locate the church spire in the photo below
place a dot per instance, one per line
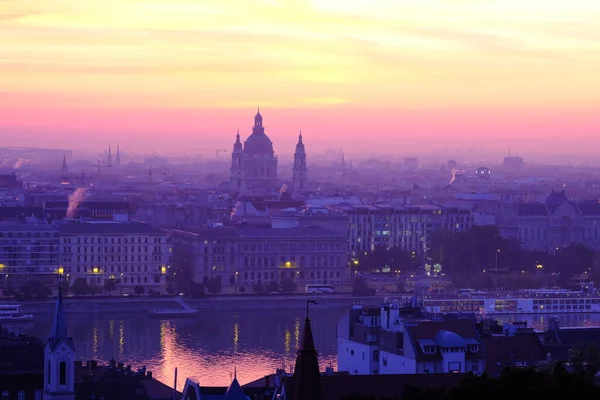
(306, 382)
(59, 326)
(118, 157)
(64, 170)
(59, 357)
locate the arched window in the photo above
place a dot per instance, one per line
(62, 373)
(48, 377)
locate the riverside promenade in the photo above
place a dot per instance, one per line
(144, 304)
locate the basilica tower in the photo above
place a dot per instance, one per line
(299, 172)
(237, 168)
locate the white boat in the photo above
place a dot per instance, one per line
(12, 313)
(517, 302)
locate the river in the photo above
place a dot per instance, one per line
(209, 347)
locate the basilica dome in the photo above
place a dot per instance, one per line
(258, 142)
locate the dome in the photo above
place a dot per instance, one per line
(258, 143)
(446, 338)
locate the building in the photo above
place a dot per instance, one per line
(130, 254)
(28, 251)
(192, 391)
(513, 163)
(253, 169)
(556, 223)
(308, 383)
(401, 225)
(98, 210)
(398, 340)
(244, 255)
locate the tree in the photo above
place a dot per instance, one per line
(109, 286)
(35, 290)
(139, 290)
(8, 291)
(288, 285)
(395, 259)
(170, 289)
(213, 285)
(197, 290)
(272, 287)
(360, 287)
(258, 288)
(95, 289)
(80, 287)
(575, 259)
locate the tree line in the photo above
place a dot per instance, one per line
(466, 255)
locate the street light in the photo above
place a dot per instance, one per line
(497, 252)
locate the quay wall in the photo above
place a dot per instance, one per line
(145, 304)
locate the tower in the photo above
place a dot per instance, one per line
(306, 382)
(64, 170)
(109, 157)
(118, 157)
(237, 168)
(59, 358)
(299, 171)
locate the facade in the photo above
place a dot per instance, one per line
(245, 255)
(253, 169)
(394, 340)
(90, 209)
(130, 254)
(549, 226)
(399, 225)
(28, 251)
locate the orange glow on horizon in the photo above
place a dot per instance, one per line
(500, 67)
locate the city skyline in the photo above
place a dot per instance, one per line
(494, 74)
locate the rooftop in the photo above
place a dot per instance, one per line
(117, 228)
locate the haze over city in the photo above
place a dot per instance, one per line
(429, 75)
(299, 199)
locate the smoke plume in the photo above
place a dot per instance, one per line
(19, 163)
(75, 199)
(453, 176)
(234, 209)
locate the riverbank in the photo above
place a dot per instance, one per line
(146, 304)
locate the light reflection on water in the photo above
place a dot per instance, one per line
(207, 348)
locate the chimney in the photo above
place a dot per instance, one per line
(149, 375)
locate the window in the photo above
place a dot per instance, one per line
(49, 370)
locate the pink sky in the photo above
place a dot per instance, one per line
(388, 76)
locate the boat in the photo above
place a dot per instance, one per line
(544, 301)
(12, 313)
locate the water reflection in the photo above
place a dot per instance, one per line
(207, 348)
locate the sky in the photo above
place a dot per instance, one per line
(385, 75)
